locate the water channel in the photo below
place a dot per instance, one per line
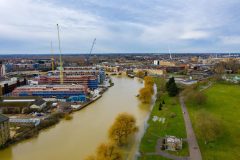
(79, 137)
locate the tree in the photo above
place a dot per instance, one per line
(219, 68)
(200, 98)
(106, 151)
(172, 87)
(209, 127)
(148, 81)
(122, 128)
(233, 65)
(170, 81)
(150, 88)
(145, 95)
(160, 107)
(163, 102)
(140, 74)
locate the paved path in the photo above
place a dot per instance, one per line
(194, 150)
(206, 87)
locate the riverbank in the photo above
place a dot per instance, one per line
(27, 131)
(173, 125)
(80, 136)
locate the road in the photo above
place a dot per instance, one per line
(194, 150)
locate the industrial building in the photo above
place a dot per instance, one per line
(4, 129)
(68, 92)
(16, 105)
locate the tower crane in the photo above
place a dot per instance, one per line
(52, 59)
(60, 51)
(93, 43)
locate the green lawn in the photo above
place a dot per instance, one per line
(223, 103)
(174, 125)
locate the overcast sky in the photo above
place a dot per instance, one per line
(28, 26)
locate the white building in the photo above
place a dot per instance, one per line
(156, 62)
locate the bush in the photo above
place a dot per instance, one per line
(198, 98)
(192, 94)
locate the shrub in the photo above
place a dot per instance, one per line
(200, 98)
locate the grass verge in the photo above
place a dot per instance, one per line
(174, 125)
(223, 103)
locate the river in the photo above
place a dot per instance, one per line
(79, 137)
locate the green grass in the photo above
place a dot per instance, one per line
(223, 103)
(172, 126)
(153, 158)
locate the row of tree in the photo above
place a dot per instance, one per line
(145, 93)
(119, 134)
(233, 66)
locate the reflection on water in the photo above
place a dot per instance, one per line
(77, 138)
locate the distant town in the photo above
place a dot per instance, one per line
(39, 91)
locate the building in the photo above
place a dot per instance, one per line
(4, 129)
(172, 143)
(8, 86)
(156, 62)
(68, 92)
(81, 71)
(16, 105)
(155, 72)
(90, 78)
(164, 63)
(89, 81)
(167, 63)
(39, 104)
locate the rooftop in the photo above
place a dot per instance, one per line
(3, 118)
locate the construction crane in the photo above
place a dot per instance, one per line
(52, 59)
(60, 51)
(93, 43)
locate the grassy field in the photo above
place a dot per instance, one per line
(223, 103)
(174, 125)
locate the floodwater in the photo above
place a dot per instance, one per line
(79, 137)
